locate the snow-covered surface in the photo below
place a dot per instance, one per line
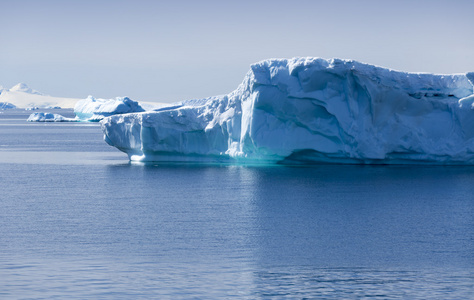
(22, 87)
(49, 117)
(307, 110)
(148, 106)
(23, 96)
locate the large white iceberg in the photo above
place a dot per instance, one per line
(312, 110)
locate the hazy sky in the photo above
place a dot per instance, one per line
(175, 50)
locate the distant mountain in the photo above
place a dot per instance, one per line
(22, 87)
(22, 96)
(6, 105)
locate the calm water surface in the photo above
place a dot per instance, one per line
(78, 221)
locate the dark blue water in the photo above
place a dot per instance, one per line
(78, 221)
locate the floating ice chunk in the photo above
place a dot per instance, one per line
(312, 110)
(49, 117)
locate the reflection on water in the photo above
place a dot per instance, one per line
(81, 222)
(93, 279)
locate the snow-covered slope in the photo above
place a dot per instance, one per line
(306, 110)
(22, 87)
(23, 96)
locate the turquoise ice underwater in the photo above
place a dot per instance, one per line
(77, 220)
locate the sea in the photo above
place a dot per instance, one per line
(79, 221)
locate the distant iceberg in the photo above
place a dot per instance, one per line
(92, 109)
(312, 110)
(49, 117)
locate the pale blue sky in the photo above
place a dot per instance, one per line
(175, 50)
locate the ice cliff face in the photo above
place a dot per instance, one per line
(310, 110)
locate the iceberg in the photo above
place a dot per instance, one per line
(92, 109)
(49, 117)
(311, 110)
